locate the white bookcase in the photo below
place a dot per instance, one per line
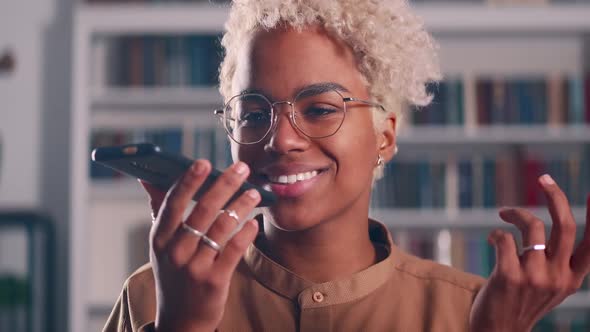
(475, 39)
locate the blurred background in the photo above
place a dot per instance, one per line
(75, 75)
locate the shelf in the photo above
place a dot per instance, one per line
(553, 33)
(159, 19)
(126, 119)
(476, 218)
(440, 17)
(156, 97)
(495, 134)
(474, 18)
(155, 107)
(124, 189)
(578, 301)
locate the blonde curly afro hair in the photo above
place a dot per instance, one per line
(396, 56)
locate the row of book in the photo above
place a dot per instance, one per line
(510, 178)
(464, 250)
(506, 178)
(411, 184)
(553, 100)
(573, 321)
(179, 60)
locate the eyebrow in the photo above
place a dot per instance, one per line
(306, 90)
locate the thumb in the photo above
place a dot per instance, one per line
(155, 194)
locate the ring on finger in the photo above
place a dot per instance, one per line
(214, 245)
(193, 231)
(231, 213)
(540, 246)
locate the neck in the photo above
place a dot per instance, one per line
(328, 251)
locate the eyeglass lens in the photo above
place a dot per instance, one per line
(249, 117)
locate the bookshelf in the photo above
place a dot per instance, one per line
(477, 41)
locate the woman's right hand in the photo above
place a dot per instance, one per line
(192, 279)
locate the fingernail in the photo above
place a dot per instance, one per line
(254, 223)
(198, 168)
(241, 168)
(253, 193)
(547, 180)
(491, 239)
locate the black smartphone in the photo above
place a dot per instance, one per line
(148, 162)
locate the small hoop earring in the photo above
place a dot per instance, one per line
(379, 160)
(395, 150)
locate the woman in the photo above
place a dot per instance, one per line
(314, 91)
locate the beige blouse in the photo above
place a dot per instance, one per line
(400, 293)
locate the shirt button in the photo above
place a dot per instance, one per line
(318, 297)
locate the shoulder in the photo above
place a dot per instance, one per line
(136, 306)
(142, 278)
(141, 295)
(439, 296)
(433, 274)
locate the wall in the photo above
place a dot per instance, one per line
(20, 96)
(34, 120)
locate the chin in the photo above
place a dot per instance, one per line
(291, 219)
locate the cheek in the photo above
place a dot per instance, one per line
(356, 150)
(248, 154)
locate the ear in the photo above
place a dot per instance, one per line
(386, 138)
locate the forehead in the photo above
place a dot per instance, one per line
(282, 60)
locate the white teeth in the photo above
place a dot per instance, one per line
(309, 175)
(292, 178)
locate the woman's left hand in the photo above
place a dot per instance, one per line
(523, 288)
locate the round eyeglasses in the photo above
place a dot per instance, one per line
(249, 117)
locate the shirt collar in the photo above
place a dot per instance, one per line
(286, 283)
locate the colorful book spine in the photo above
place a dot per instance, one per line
(154, 60)
(551, 100)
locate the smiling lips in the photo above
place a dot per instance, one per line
(291, 180)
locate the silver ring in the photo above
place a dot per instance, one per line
(231, 213)
(214, 245)
(192, 230)
(534, 247)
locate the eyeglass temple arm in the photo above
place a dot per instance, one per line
(346, 99)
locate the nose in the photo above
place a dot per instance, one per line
(285, 137)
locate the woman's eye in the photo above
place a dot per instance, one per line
(319, 111)
(254, 117)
